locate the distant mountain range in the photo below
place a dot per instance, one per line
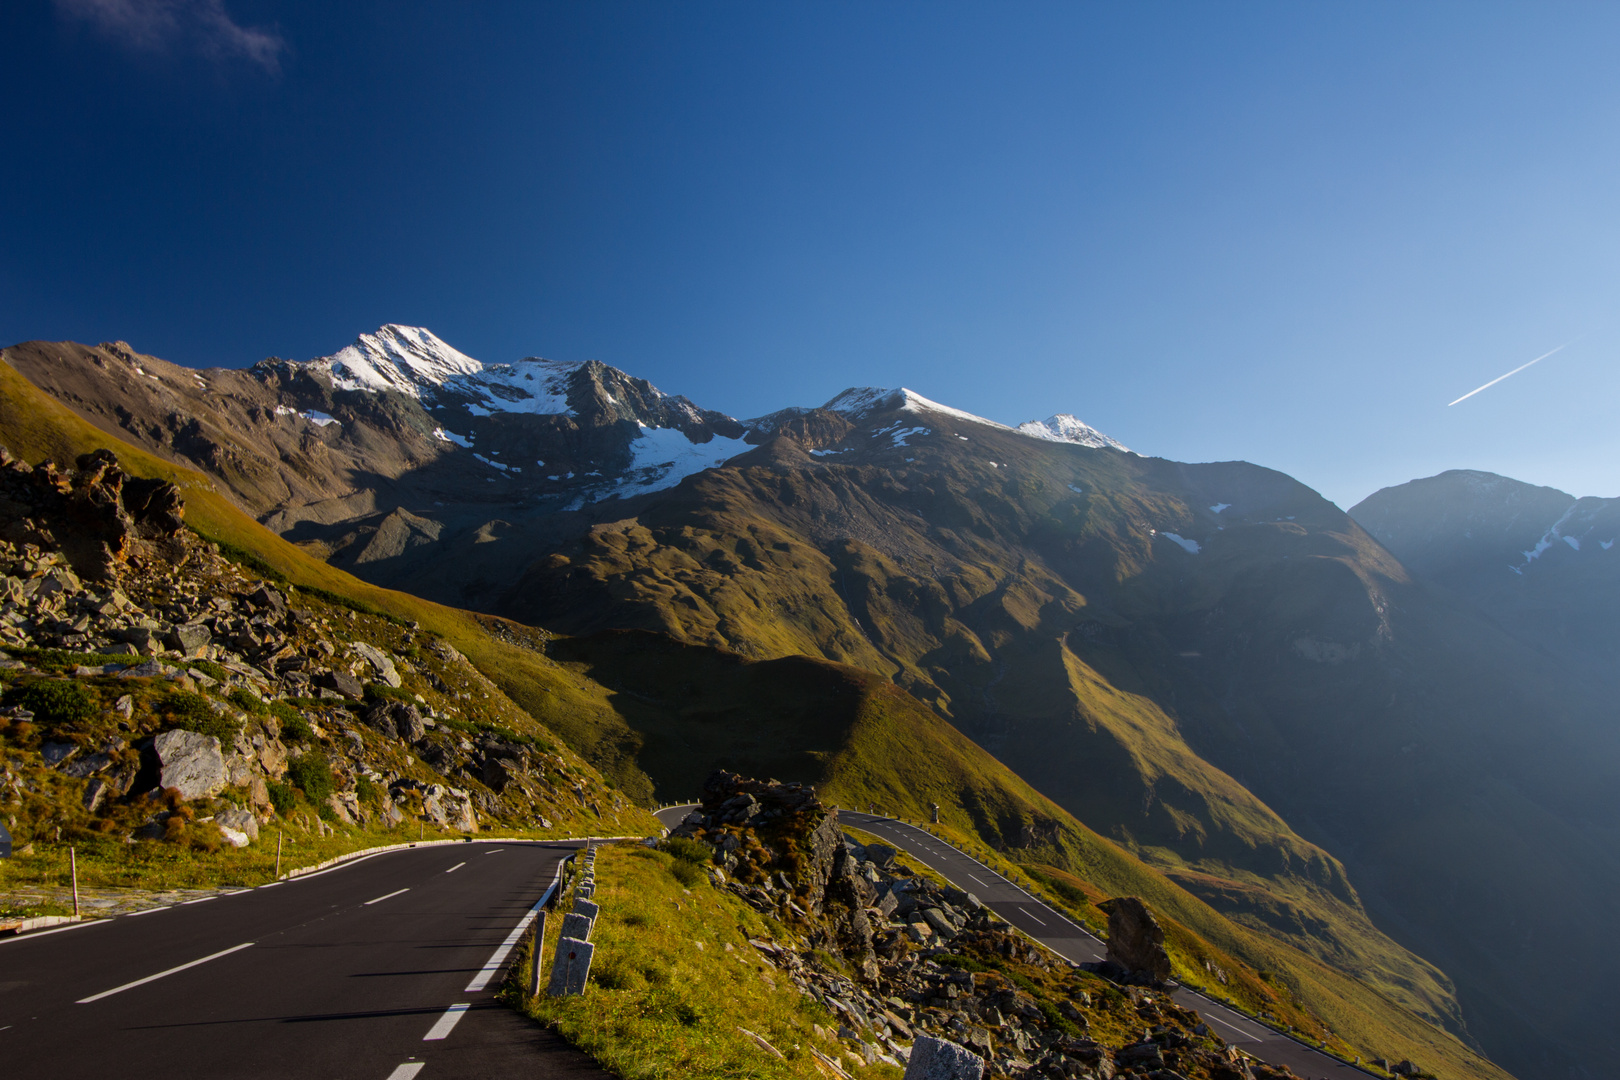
(1540, 562)
(1345, 734)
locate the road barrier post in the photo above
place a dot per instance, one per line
(73, 861)
(535, 957)
(278, 854)
(572, 967)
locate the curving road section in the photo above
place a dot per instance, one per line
(1073, 942)
(383, 968)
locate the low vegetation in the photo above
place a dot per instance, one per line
(675, 983)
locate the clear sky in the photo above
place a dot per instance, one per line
(1289, 233)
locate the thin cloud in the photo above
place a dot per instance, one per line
(1515, 371)
(201, 26)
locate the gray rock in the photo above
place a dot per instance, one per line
(88, 765)
(266, 597)
(571, 968)
(57, 752)
(881, 854)
(940, 1059)
(238, 820)
(379, 662)
(189, 639)
(342, 682)
(1135, 938)
(94, 794)
(936, 920)
(192, 763)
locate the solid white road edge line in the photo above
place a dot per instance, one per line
(498, 957)
(407, 1070)
(446, 1023)
(390, 896)
(162, 974)
(456, 867)
(32, 934)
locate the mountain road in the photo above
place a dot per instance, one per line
(383, 968)
(1073, 942)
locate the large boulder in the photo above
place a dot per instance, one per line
(1135, 938)
(941, 1059)
(450, 808)
(190, 763)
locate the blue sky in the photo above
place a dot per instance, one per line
(1289, 233)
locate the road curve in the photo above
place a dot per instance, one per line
(380, 969)
(1073, 942)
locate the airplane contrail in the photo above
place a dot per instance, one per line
(1515, 371)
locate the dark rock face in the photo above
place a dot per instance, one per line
(92, 515)
(1135, 939)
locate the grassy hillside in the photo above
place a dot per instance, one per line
(862, 740)
(656, 716)
(34, 427)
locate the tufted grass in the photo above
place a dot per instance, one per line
(667, 996)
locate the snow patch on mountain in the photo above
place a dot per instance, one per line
(319, 419)
(1550, 537)
(1064, 427)
(533, 386)
(663, 457)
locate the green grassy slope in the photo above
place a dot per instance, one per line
(957, 580)
(802, 718)
(1289, 670)
(862, 740)
(34, 427)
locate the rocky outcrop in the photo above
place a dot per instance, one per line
(931, 963)
(1136, 940)
(218, 680)
(92, 514)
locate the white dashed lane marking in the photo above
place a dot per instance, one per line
(390, 896)
(446, 1023)
(456, 867)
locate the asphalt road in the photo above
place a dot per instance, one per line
(1073, 942)
(379, 969)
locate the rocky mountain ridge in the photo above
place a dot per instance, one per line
(1542, 563)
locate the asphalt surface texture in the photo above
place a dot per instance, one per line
(384, 968)
(1073, 942)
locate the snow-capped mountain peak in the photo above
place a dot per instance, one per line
(405, 359)
(1065, 428)
(858, 401)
